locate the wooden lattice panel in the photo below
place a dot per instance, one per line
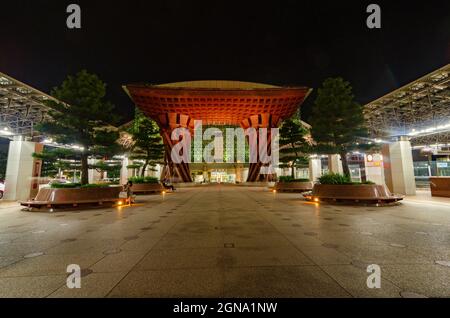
(217, 106)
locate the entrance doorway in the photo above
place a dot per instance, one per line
(221, 176)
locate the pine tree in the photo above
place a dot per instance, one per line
(147, 142)
(337, 120)
(80, 116)
(293, 145)
(55, 160)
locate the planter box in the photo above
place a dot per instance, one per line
(363, 192)
(184, 184)
(256, 184)
(48, 197)
(294, 186)
(147, 188)
(440, 186)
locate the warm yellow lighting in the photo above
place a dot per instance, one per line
(164, 192)
(274, 191)
(316, 199)
(119, 202)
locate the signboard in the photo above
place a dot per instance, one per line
(374, 160)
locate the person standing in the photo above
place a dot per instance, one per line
(128, 189)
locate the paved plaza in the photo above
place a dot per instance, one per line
(227, 241)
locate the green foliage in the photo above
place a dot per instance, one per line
(3, 160)
(135, 166)
(290, 179)
(336, 178)
(147, 142)
(96, 185)
(141, 179)
(78, 185)
(65, 185)
(112, 168)
(108, 167)
(337, 120)
(55, 159)
(293, 145)
(82, 118)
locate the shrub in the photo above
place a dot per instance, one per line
(336, 178)
(78, 185)
(290, 179)
(95, 185)
(65, 185)
(143, 179)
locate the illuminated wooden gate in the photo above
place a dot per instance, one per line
(244, 104)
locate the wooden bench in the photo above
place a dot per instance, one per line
(145, 188)
(74, 197)
(440, 186)
(364, 193)
(293, 186)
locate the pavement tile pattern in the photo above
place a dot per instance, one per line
(227, 241)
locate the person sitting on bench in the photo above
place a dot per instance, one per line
(166, 184)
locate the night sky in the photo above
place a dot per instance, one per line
(277, 42)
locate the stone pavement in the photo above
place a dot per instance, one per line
(227, 241)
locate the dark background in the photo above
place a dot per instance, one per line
(276, 42)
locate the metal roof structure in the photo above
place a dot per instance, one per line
(21, 107)
(420, 110)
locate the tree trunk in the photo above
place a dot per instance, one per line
(345, 168)
(84, 169)
(293, 161)
(143, 168)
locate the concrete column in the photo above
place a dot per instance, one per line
(373, 164)
(335, 164)
(124, 171)
(315, 168)
(158, 171)
(240, 173)
(398, 167)
(93, 175)
(22, 170)
(245, 174)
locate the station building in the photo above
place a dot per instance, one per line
(411, 126)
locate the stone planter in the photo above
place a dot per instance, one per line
(440, 186)
(256, 184)
(54, 197)
(357, 193)
(294, 186)
(142, 188)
